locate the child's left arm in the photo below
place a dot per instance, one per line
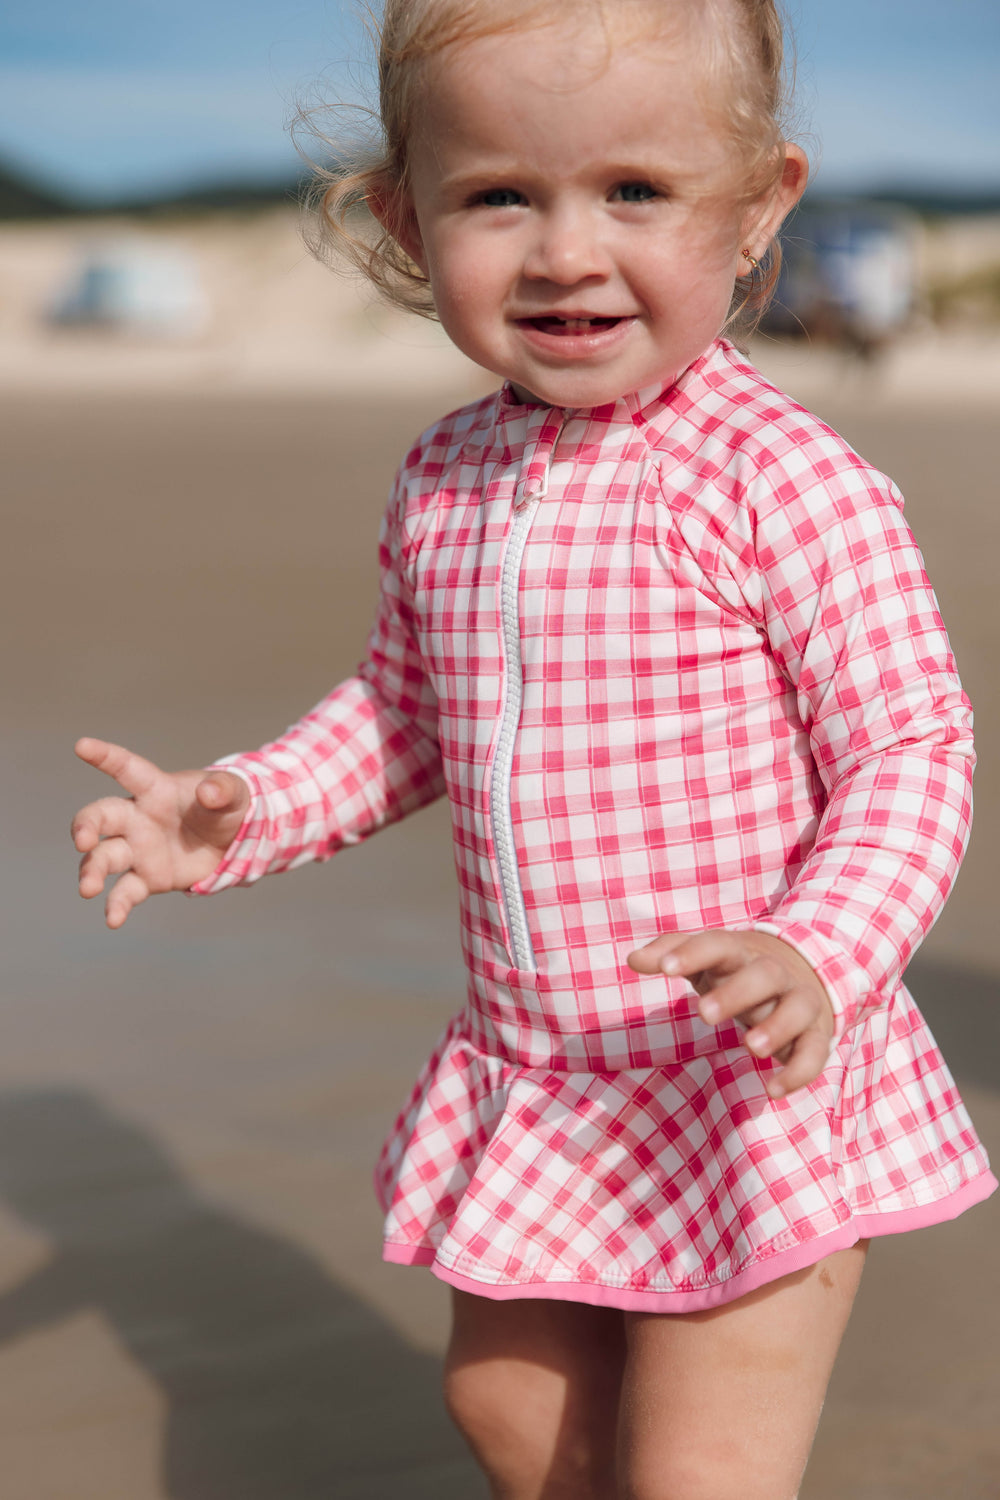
(837, 584)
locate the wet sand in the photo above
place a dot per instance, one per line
(192, 1303)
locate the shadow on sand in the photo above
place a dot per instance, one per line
(279, 1385)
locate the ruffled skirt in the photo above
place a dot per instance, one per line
(675, 1188)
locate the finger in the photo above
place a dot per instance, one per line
(810, 1055)
(129, 891)
(649, 958)
(111, 857)
(758, 1013)
(796, 1013)
(131, 771)
(718, 950)
(222, 792)
(686, 953)
(106, 818)
(756, 981)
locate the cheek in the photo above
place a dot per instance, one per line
(462, 302)
(691, 260)
(712, 243)
(465, 277)
(711, 270)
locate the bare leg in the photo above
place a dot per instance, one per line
(723, 1405)
(533, 1387)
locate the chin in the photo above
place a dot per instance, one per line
(571, 391)
(591, 387)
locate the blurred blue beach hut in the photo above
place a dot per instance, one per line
(849, 275)
(133, 286)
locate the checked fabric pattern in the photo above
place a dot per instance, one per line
(738, 709)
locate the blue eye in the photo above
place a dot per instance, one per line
(500, 198)
(636, 192)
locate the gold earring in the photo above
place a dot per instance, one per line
(754, 263)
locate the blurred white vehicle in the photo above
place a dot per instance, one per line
(133, 286)
(849, 275)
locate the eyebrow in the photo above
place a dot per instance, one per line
(502, 170)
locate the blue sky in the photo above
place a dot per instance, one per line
(109, 96)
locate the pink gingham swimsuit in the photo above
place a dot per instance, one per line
(676, 663)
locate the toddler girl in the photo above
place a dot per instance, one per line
(666, 643)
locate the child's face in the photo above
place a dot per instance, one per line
(577, 213)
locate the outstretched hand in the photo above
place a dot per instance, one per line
(756, 979)
(168, 834)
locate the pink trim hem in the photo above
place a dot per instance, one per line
(783, 1263)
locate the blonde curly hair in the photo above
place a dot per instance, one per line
(743, 44)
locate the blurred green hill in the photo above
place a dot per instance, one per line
(927, 203)
(23, 196)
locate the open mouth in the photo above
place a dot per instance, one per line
(568, 326)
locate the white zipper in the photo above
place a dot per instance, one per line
(522, 952)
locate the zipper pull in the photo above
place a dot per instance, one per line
(534, 485)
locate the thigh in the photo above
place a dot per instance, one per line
(533, 1385)
(724, 1404)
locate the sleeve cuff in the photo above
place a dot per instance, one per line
(237, 861)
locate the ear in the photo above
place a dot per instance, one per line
(393, 207)
(766, 216)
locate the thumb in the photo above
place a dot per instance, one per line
(222, 792)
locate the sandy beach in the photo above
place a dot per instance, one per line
(192, 1304)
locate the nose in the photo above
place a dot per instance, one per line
(566, 248)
